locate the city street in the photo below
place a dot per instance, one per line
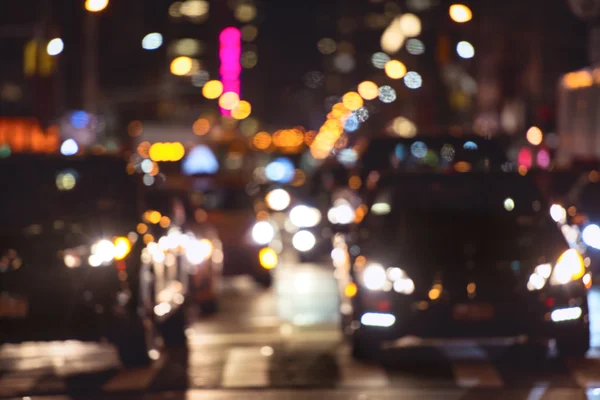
(284, 343)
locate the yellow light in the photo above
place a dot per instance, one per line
(166, 152)
(262, 140)
(181, 66)
(350, 290)
(165, 221)
(522, 170)
(268, 258)
(535, 136)
(242, 110)
(435, 292)
(368, 90)
(122, 247)
(201, 127)
(573, 257)
(142, 228)
(410, 25)
(95, 5)
(212, 89)
(395, 69)
(460, 13)
(229, 100)
(152, 216)
(352, 101)
(355, 182)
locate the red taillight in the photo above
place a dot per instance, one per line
(549, 302)
(383, 305)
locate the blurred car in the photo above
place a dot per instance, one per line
(460, 256)
(83, 255)
(230, 210)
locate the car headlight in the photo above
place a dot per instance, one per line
(375, 277)
(591, 236)
(197, 251)
(569, 267)
(263, 232)
(305, 217)
(105, 251)
(304, 241)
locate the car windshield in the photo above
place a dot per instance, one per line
(83, 191)
(502, 214)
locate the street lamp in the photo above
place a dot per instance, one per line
(95, 5)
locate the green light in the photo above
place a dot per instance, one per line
(4, 151)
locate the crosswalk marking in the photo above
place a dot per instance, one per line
(20, 382)
(246, 367)
(356, 374)
(135, 378)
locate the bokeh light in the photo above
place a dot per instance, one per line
(229, 100)
(201, 126)
(394, 69)
(195, 8)
(410, 25)
(212, 89)
(152, 41)
(368, 90)
(69, 147)
(379, 60)
(415, 46)
(242, 110)
(460, 13)
(55, 47)
(392, 38)
(344, 62)
(245, 12)
(181, 66)
(465, 50)
(352, 101)
(535, 136)
(387, 94)
(95, 5)
(326, 46)
(413, 80)
(262, 140)
(404, 127)
(166, 151)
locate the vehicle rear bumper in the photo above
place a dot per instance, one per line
(532, 320)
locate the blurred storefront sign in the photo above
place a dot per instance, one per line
(26, 135)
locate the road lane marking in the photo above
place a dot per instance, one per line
(20, 382)
(357, 374)
(538, 390)
(246, 367)
(134, 378)
(472, 367)
(199, 338)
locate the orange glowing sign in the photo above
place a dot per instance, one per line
(26, 136)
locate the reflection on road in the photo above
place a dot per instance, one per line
(288, 337)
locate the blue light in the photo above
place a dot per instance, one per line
(280, 170)
(470, 146)
(69, 147)
(352, 123)
(400, 152)
(419, 149)
(200, 160)
(80, 119)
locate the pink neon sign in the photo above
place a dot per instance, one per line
(229, 53)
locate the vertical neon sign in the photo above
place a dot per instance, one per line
(230, 52)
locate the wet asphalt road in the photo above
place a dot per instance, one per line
(284, 344)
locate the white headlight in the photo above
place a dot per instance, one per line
(304, 241)
(305, 217)
(558, 213)
(103, 251)
(198, 250)
(263, 232)
(278, 199)
(404, 286)
(591, 236)
(374, 277)
(568, 268)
